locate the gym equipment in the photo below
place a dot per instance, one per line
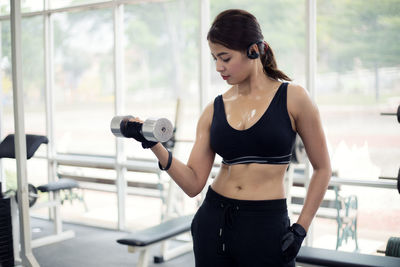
(32, 195)
(393, 247)
(33, 142)
(398, 181)
(310, 256)
(393, 178)
(393, 114)
(299, 154)
(155, 130)
(6, 240)
(7, 151)
(398, 120)
(59, 185)
(142, 240)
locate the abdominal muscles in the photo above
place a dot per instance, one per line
(251, 181)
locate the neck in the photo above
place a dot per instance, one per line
(256, 82)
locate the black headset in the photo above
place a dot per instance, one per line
(253, 54)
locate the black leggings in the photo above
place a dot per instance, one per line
(239, 233)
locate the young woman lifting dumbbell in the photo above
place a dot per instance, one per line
(243, 220)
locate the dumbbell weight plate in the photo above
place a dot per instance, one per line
(157, 130)
(398, 181)
(116, 124)
(32, 195)
(299, 154)
(398, 114)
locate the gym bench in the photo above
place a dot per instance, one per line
(142, 240)
(309, 257)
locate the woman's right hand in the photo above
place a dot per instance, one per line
(132, 128)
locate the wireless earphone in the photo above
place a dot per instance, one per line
(253, 54)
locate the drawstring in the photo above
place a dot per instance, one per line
(228, 214)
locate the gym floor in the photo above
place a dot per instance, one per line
(92, 246)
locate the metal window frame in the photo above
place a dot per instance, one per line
(27, 257)
(119, 74)
(311, 66)
(83, 7)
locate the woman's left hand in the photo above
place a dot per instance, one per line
(291, 241)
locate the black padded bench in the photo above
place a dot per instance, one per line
(309, 256)
(60, 184)
(142, 240)
(7, 146)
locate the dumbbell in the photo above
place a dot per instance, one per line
(393, 114)
(153, 129)
(392, 247)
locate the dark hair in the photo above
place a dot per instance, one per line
(238, 29)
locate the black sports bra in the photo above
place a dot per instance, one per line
(269, 141)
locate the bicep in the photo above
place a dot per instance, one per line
(310, 129)
(202, 156)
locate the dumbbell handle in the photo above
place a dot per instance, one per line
(393, 113)
(155, 130)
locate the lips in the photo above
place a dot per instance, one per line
(224, 77)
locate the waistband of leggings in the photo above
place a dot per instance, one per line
(251, 205)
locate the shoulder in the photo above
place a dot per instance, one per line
(206, 116)
(296, 92)
(298, 100)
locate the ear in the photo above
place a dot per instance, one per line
(254, 48)
(252, 51)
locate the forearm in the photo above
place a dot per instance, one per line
(182, 174)
(315, 194)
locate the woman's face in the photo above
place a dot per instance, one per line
(234, 66)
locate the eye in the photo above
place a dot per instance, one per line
(226, 60)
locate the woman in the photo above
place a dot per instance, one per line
(243, 220)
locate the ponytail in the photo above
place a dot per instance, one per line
(269, 65)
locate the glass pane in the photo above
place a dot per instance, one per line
(161, 65)
(26, 6)
(4, 7)
(33, 75)
(6, 92)
(31, 5)
(83, 91)
(67, 3)
(358, 77)
(357, 80)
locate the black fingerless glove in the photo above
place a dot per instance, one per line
(291, 241)
(133, 129)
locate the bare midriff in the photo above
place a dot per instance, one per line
(251, 181)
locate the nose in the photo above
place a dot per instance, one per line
(219, 66)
